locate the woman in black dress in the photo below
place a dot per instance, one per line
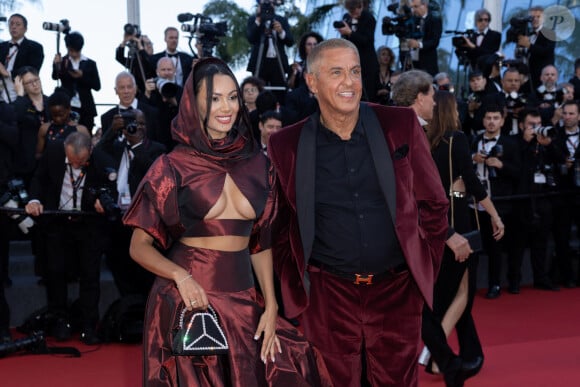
(455, 286)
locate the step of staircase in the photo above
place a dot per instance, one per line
(26, 295)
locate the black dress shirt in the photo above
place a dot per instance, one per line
(353, 227)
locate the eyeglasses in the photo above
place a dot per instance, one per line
(483, 20)
(32, 82)
(251, 90)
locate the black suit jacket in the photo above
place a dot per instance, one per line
(8, 142)
(489, 46)
(30, 53)
(507, 178)
(46, 184)
(89, 81)
(541, 54)
(432, 29)
(132, 64)
(151, 115)
(186, 61)
(145, 155)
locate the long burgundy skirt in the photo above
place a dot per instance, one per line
(228, 281)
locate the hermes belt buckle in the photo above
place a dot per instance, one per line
(367, 279)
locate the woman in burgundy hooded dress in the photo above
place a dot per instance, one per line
(202, 218)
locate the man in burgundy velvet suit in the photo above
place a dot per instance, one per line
(361, 225)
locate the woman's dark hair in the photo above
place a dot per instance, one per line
(258, 82)
(302, 43)
(445, 117)
(207, 72)
(27, 69)
(75, 41)
(59, 98)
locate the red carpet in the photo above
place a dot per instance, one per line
(531, 340)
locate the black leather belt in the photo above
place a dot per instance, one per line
(358, 278)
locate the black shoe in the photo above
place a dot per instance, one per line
(453, 373)
(62, 329)
(546, 286)
(514, 289)
(89, 337)
(493, 292)
(472, 368)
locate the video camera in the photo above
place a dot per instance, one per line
(518, 26)
(132, 29)
(62, 26)
(458, 41)
(15, 197)
(267, 11)
(404, 26)
(205, 29)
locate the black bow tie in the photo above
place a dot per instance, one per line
(173, 55)
(13, 45)
(486, 140)
(125, 109)
(480, 34)
(568, 135)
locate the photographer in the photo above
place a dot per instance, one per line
(66, 177)
(358, 26)
(534, 212)
(133, 153)
(8, 142)
(181, 60)
(539, 49)
(79, 75)
(15, 53)
(479, 89)
(269, 33)
(164, 94)
(136, 58)
(496, 158)
(426, 47)
(566, 206)
(481, 43)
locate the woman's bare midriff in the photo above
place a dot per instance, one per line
(223, 243)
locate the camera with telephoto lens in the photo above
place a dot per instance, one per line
(108, 202)
(62, 26)
(404, 26)
(15, 197)
(129, 121)
(132, 29)
(33, 343)
(544, 131)
(166, 88)
(496, 151)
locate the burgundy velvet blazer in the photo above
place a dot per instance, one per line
(408, 179)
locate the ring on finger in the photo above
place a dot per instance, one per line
(193, 302)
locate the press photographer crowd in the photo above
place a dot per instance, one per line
(68, 176)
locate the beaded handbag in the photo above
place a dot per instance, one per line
(202, 335)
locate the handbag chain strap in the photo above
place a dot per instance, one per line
(451, 189)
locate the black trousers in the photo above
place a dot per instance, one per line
(566, 213)
(81, 238)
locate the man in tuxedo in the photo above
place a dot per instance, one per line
(126, 90)
(540, 48)
(362, 224)
(269, 34)
(133, 154)
(67, 179)
(497, 161)
(78, 75)
(484, 42)
(567, 206)
(15, 53)
(164, 94)
(426, 47)
(359, 27)
(181, 60)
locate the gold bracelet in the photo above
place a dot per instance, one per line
(182, 280)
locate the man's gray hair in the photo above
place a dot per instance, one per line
(78, 141)
(124, 74)
(409, 85)
(314, 56)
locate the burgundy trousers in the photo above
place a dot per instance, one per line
(381, 321)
